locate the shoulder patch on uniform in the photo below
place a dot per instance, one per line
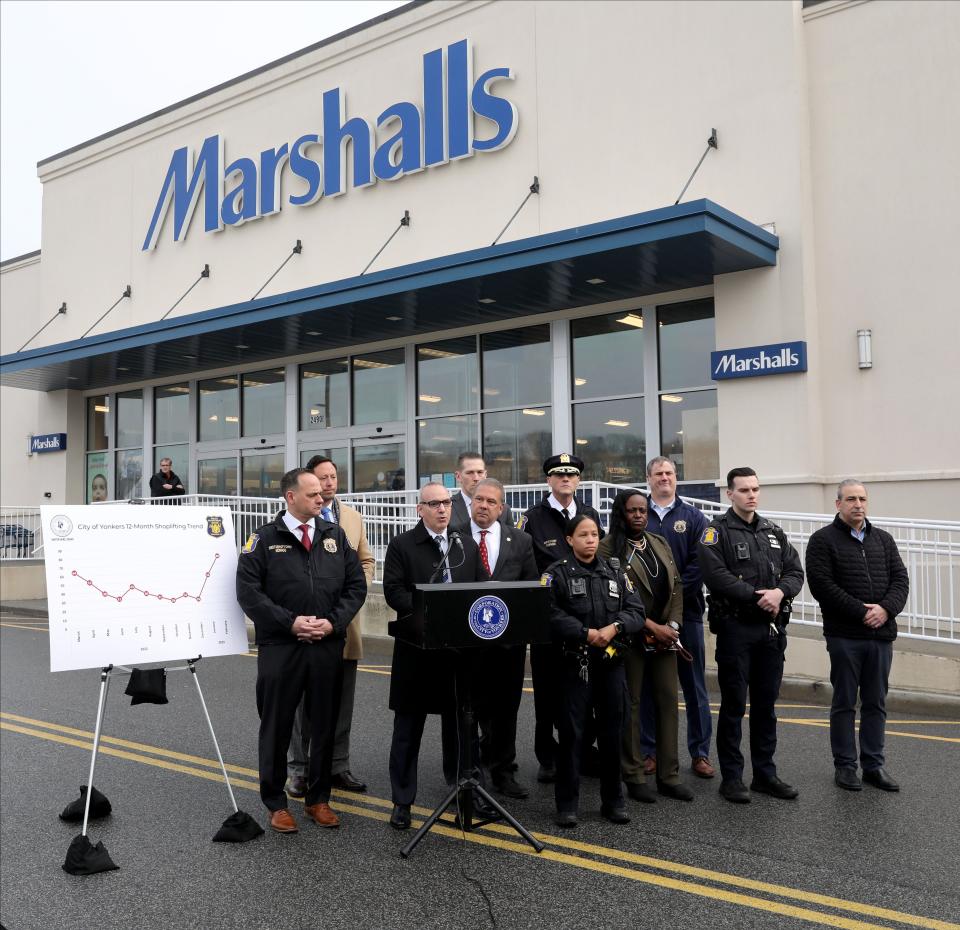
(546, 579)
(250, 544)
(710, 536)
(522, 522)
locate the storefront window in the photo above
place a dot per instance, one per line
(338, 455)
(607, 355)
(171, 413)
(447, 380)
(379, 387)
(219, 410)
(610, 440)
(262, 474)
(263, 402)
(218, 476)
(689, 434)
(686, 340)
(98, 477)
(439, 444)
(379, 467)
(98, 422)
(129, 472)
(516, 367)
(324, 399)
(515, 444)
(129, 419)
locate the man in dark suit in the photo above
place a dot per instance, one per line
(471, 469)
(507, 555)
(421, 681)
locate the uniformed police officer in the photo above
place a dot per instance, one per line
(752, 573)
(301, 584)
(592, 606)
(547, 524)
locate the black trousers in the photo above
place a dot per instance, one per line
(604, 698)
(497, 705)
(749, 661)
(545, 669)
(285, 673)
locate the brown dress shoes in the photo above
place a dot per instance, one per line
(702, 768)
(321, 814)
(283, 822)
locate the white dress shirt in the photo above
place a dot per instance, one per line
(493, 541)
(293, 524)
(571, 508)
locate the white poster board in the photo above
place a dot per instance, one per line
(130, 584)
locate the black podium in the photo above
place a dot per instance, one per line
(465, 618)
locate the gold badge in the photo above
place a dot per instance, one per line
(564, 459)
(330, 545)
(680, 526)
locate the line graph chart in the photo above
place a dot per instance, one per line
(130, 585)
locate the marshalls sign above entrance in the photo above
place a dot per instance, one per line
(407, 138)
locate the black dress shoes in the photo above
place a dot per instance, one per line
(774, 787)
(347, 782)
(846, 778)
(734, 791)
(615, 813)
(678, 792)
(509, 786)
(880, 779)
(400, 818)
(641, 792)
(547, 775)
(297, 786)
(566, 819)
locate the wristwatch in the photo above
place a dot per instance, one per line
(619, 625)
(674, 626)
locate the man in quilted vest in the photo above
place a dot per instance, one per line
(855, 572)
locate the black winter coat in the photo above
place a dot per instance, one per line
(844, 575)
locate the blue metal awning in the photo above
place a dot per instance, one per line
(648, 253)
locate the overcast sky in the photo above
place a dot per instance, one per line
(70, 71)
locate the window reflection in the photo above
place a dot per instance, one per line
(440, 442)
(516, 367)
(129, 419)
(262, 474)
(324, 394)
(447, 380)
(98, 420)
(379, 467)
(515, 444)
(129, 474)
(263, 402)
(219, 411)
(218, 476)
(378, 387)
(171, 409)
(686, 339)
(607, 354)
(689, 434)
(609, 437)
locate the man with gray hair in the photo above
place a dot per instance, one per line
(855, 572)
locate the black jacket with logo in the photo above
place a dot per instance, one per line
(278, 580)
(549, 532)
(737, 559)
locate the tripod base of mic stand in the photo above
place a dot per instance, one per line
(465, 788)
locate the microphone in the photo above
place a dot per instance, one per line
(454, 537)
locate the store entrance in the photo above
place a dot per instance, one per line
(363, 465)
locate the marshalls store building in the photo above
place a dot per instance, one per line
(465, 225)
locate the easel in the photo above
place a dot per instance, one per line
(85, 859)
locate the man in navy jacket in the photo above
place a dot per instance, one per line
(855, 572)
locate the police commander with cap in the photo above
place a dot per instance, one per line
(301, 584)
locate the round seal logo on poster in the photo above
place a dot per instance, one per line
(61, 525)
(489, 617)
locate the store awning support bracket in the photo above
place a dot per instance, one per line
(534, 189)
(61, 310)
(127, 293)
(711, 144)
(203, 274)
(404, 221)
(297, 249)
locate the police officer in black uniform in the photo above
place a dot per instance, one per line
(547, 524)
(594, 609)
(300, 582)
(752, 573)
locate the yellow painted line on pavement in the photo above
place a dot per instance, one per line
(825, 725)
(663, 881)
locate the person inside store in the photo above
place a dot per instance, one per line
(752, 573)
(165, 483)
(547, 523)
(648, 563)
(593, 610)
(300, 582)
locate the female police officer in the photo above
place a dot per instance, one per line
(592, 605)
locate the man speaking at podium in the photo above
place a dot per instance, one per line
(300, 582)
(421, 681)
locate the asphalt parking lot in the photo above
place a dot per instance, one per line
(831, 858)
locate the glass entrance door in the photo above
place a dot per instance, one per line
(378, 465)
(249, 473)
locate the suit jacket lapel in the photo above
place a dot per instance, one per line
(506, 546)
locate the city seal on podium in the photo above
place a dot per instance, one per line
(489, 617)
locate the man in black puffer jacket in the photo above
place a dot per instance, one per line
(855, 572)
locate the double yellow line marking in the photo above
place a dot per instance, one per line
(662, 873)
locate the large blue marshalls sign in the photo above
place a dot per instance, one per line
(49, 442)
(782, 358)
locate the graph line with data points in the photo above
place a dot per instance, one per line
(160, 597)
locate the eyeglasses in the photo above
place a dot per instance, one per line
(436, 505)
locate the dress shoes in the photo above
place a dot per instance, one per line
(642, 792)
(507, 785)
(483, 810)
(400, 818)
(282, 821)
(297, 786)
(880, 779)
(321, 814)
(566, 819)
(547, 775)
(649, 765)
(702, 768)
(678, 792)
(346, 781)
(735, 791)
(774, 787)
(846, 778)
(615, 813)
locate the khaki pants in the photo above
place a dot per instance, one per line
(662, 669)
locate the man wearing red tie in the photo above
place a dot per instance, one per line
(301, 584)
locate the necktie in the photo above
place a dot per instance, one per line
(305, 536)
(484, 555)
(327, 515)
(446, 571)
(566, 514)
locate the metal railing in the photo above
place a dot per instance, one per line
(930, 550)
